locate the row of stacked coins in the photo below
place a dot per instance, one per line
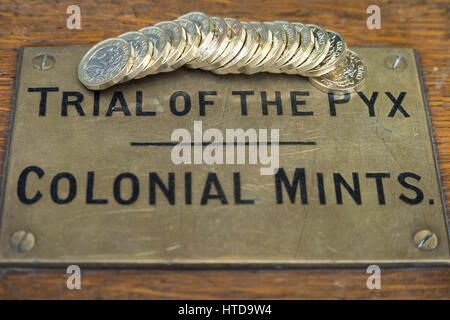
(225, 46)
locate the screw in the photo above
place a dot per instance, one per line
(395, 62)
(426, 240)
(43, 61)
(22, 241)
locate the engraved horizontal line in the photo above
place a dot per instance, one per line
(247, 143)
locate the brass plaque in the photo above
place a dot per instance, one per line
(92, 178)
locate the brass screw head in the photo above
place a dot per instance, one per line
(43, 61)
(395, 62)
(22, 241)
(426, 240)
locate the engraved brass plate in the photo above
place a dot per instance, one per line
(89, 177)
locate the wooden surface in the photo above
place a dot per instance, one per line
(423, 25)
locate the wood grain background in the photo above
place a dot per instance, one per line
(423, 25)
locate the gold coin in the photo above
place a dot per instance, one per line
(193, 39)
(143, 50)
(320, 50)
(177, 36)
(221, 37)
(161, 47)
(303, 51)
(234, 47)
(224, 35)
(334, 57)
(348, 76)
(249, 48)
(292, 44)
(279, 42)
(205, 27)
(264, 45)
(106, 64)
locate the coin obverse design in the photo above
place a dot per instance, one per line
(349, 76)
(106, 64)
